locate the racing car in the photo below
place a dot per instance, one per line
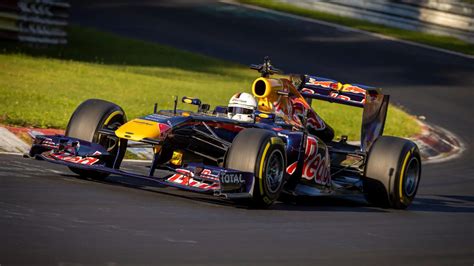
(286, 149)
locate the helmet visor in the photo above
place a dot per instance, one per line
(240, 110)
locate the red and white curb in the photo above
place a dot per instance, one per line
(436, 144)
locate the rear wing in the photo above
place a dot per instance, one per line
(375, 103)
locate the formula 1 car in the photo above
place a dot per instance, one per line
(288, 148)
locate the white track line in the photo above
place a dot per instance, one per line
(9, 142)
(11, 153)
(346, 28)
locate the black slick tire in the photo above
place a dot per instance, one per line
(260, 152)
(90, 116)
(392, 173)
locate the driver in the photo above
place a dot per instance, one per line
(241, 107)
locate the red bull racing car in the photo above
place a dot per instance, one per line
(287, 148)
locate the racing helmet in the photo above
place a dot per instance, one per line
(241, 107)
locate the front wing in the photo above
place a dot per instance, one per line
(199, 178)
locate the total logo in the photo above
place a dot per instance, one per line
(232, 178)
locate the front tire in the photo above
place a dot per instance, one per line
(392, 173)
(90, 116)
(263, 153)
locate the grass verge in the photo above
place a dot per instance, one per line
(445, 42)
(42, 86)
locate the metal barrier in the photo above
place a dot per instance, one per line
(34, 21)
(441, 17)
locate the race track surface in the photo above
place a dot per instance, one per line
(48, 216)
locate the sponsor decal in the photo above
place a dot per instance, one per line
(313, 120)
(325, 84)
(338, 96)
(316, 166)
(316, 123)
(353, 89)
(206, 173)
(232, 178)
(334, 85)
(156, 118)
(75, 159)
(142, 122)
(185, 177)
(346, 88)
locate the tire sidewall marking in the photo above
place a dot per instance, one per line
(402, 175)
(262, 163)
(110, 116)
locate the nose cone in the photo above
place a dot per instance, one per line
(138, 129)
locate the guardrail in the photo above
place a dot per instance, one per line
(441, 17)
(34, 21)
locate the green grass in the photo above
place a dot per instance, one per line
(42, 86)
(445, 42)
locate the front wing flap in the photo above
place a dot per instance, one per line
(69, 149)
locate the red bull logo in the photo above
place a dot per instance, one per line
(353, 89)
(315, 165)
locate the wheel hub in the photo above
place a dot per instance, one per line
(274, 171)
(412, 176)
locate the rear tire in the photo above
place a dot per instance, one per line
(392, 173)
(90, 116)
(263, 153)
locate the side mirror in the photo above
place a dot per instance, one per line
(193, 101)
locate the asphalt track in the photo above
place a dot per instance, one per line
(48, 216)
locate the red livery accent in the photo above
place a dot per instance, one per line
(292, 168)
(315, 166)
(163, 128)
